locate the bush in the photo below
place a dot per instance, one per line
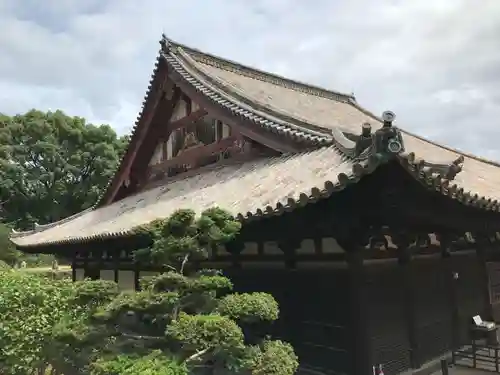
(30, 305)
(4, 266)
(181, 320)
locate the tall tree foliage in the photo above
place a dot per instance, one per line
(53, 165)
(8, 252)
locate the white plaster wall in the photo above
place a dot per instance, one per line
(126, 280)
(148, 273)
(107, 275)
(272, 248)
(226, 130)
(194, 106)
(158, 155)
(79, 274)
(330, 245)
(180, 111)
(306, 247)
(164, 150)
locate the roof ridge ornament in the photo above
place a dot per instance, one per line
(388, 118)
(165, 43)
(447, 171)
(388, 140)
(383, 144)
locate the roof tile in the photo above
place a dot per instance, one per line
(240, 189)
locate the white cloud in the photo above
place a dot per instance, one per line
(435, 63)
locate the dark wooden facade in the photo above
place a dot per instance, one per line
(400, 292)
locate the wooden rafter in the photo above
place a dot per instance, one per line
(160, 121)
(149, 110)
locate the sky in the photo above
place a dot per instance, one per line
(436, 64)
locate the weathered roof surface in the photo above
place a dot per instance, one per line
(307, 106)
(263, 187)
(479, 177)
(311, 108)
(294, 110)
(291, 109)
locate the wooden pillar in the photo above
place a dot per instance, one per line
(408, 285)
(288, 247)
(235, 247)
(361, 361)
(73, 267)
(137, 271)
(85, 263)
(288, 324)
(451, 281)
(116, 265)
(482, 244)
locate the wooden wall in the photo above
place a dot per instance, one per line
(433, 309)
(414, 312)
(408, 313)
(314, 313)
(494, 288)
(470, 294)
(388, 340)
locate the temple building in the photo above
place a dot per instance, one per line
(379, 245)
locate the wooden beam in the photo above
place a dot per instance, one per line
(181, 123)
(360, 345)
(193, 154)
(162, 117)
(239, 123)
(408, 283)
(143, 126)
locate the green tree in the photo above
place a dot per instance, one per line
(30, 305)
(8, 252)
(53, 165)
(181, 321)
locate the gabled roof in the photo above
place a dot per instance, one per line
(321, 121)
(294, 110)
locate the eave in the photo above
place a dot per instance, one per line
(476, 185)
(196, 83)
(336, 167)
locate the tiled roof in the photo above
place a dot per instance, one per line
(294, 110)
(248, 190)
(478, 182)
(308, 108)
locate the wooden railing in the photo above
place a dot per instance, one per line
(478, 356)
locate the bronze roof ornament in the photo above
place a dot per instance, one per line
(385, 143)
(388, 118)
(388, 140)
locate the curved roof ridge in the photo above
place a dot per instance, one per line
(452, 149)
(227, 64)
(434, 143)
(223, 99)
(134, 132)
(42, 227)
(275, 114)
